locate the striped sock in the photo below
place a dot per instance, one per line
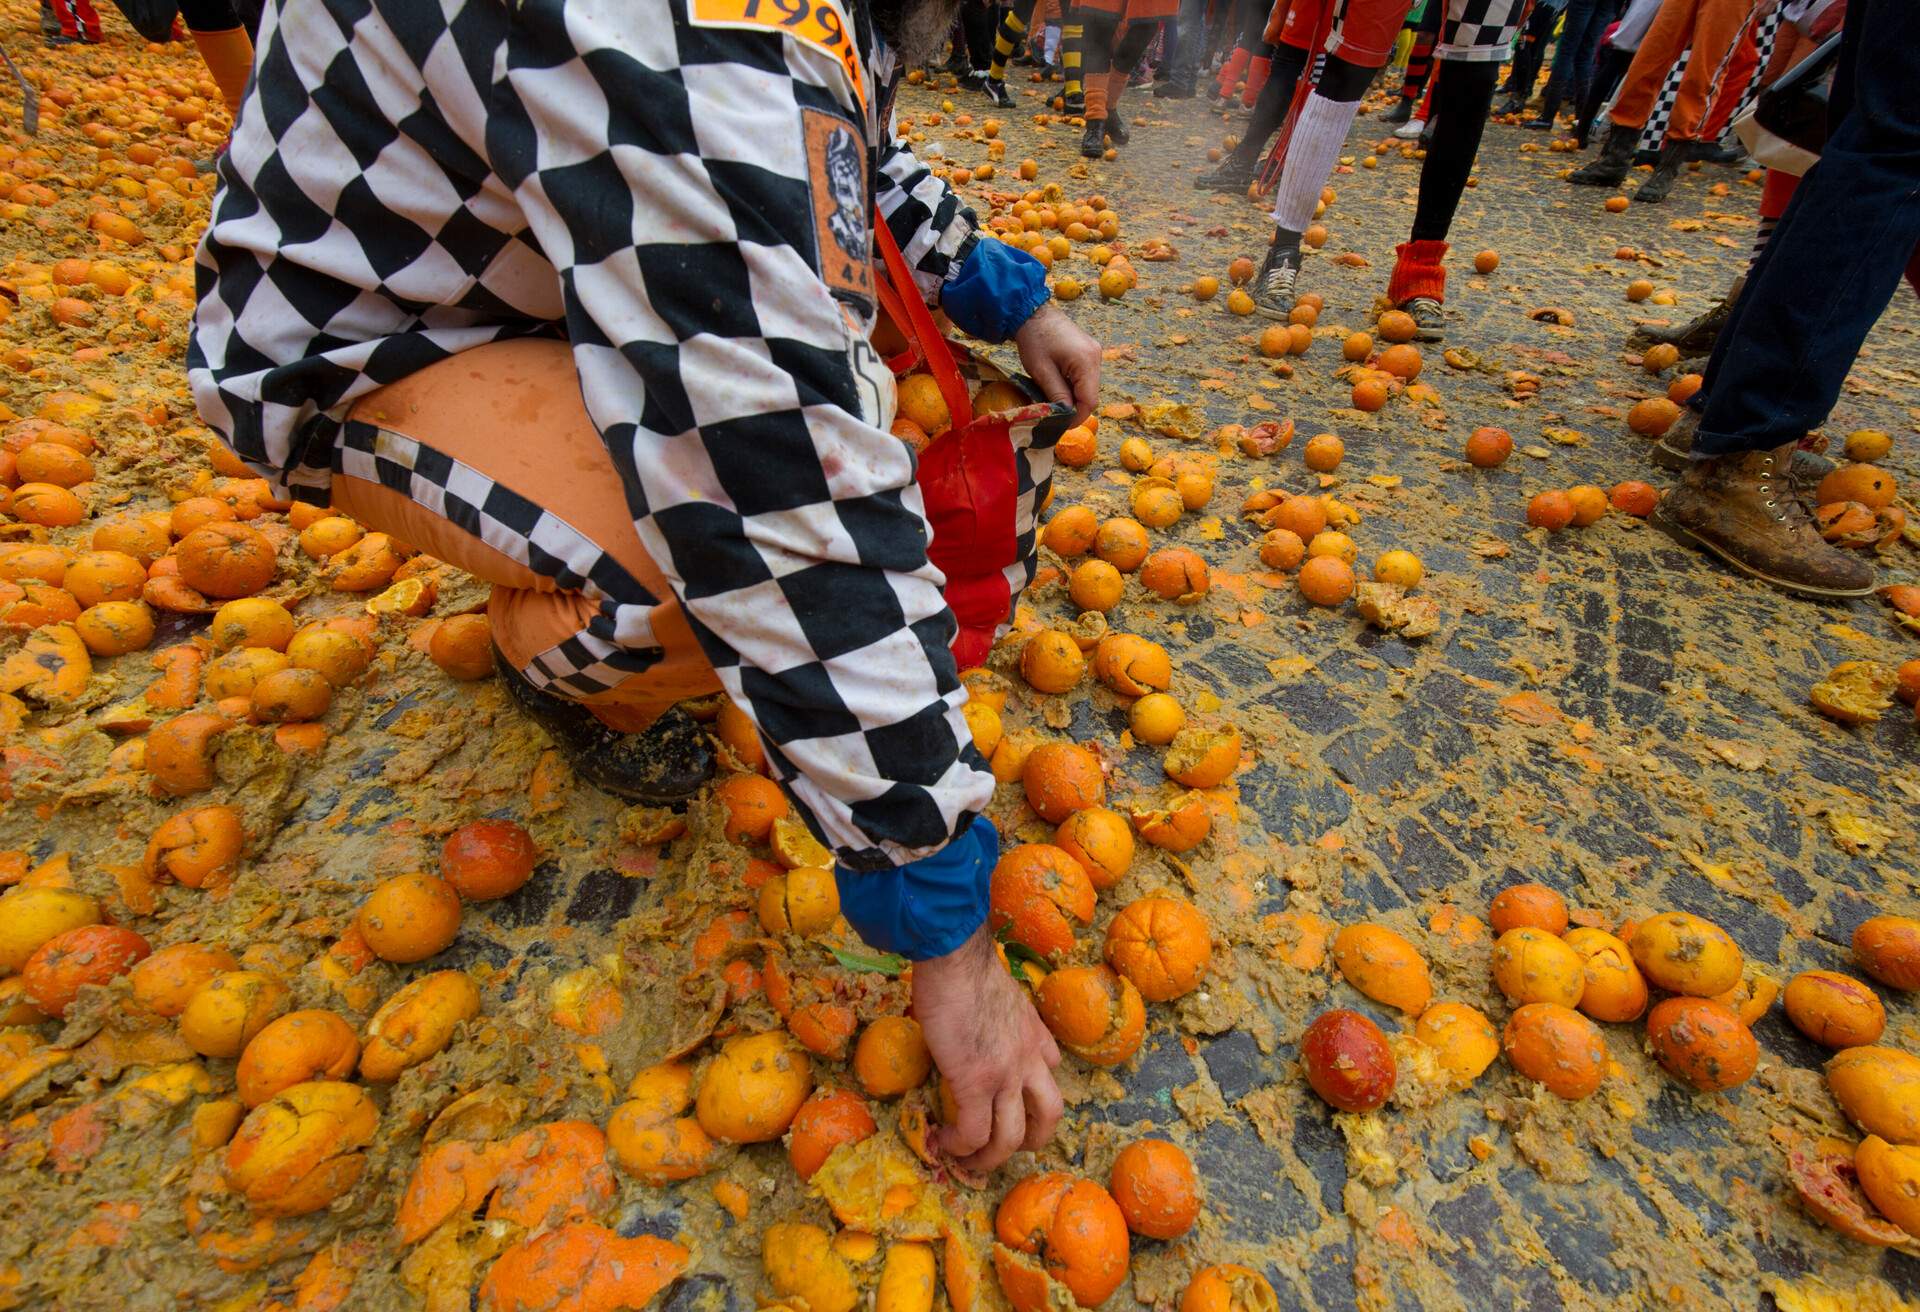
(1312, 152)
(1005, 41)
(1762, 235)
(1070, 57)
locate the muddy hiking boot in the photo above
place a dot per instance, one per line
(1694, 338)
(1616, 157)
(1742, 508)
(1675, 451)
(665, 764)
(1273, 285)
(1655, 189)
(1094, 143)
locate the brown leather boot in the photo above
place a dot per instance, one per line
(1743, 510)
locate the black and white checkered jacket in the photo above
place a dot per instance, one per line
(666, 185)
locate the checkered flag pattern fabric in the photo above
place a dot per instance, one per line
(1479, 31)
(670, 192)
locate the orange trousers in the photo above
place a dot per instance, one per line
(502, 427)
(1713, 28)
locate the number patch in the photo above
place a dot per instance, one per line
(817, 23)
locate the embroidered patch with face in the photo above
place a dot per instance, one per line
(842, 212)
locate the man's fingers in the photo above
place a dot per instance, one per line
(1046, 376)
(972, 1124)
(1086, 386)
(1043, 1108)
(1009, 1130)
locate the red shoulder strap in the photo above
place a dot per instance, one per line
(900, 297)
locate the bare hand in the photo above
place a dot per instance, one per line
(1062, 359)
(989, 1042)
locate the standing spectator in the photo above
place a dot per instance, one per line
(1529, 55)
(1817, 289)
(1713, 28)
(78, 22)
(1573, 59)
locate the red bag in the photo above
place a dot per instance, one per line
(983, 479)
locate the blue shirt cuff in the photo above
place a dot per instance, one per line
(996, 291)
(928, 907)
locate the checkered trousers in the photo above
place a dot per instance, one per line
(1479, 31)
(408, 179)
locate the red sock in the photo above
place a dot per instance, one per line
(1418, 272)
(1257, 71)
(1231, 70)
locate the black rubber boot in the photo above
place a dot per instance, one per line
(1094, 143)
(1074, 105)
(666, 764)
(1616, 157)
(1178, 86)
(1673, 156)
(1511, 105)
(1232, 177)
(1402, 111)
(997, 92)
(1117, 128)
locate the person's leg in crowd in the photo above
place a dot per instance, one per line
(1101, 28)
(1609, 68)
(1783, 356)
(1188, 49)
(1572, 60)
(1013, 31)
(1363, 39)
(1072, 56)
(223, 43)
(1426, 35)
(1472, 40)
(1527, 58)
(974, 51)
(1132, 44)
(1665, 41)
(1247, 47)
(1720, 29)
(1236, 171)
(592, 643)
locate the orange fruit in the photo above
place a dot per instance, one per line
(830, 1118)
(1240, 272)
(1162, 945)
(1153, 1182)
(752, 1090)
(1093, 1013)
(1369, 395)
(1589, 504)
(1205, 288)
(1357, 346)
(1556, 1046)
(1281, 549)
(1071, 531)
(1228, 1287)
(291, 696)
(1051, 662)
(69, 961)
(891, 1057)
(1071, 1231)
(921, 400)
(1326, 580)
(1397, 326)
(1100, 840)
(1061, 778)
(97, 576)
(410, 917)
(1488, 448)
(47, 506)
(1533, 905)
(752, 803)
(462, 646)
(1400, 568)
(1077, 447)
(1551, 510)
(1122, 543)
(1324, 451)
(1870, 485)
(52, 462)
(1682, 389)
(1299, 338)
(1633, 498)
(1486, 261)
(903, 428)
(487, 859)
(1660, 357)
(1615, 205)
(295, 1048)
(1315, 236)
(163, 982)
(1304, 517)
(1402, 361)
(1275, 340)
(1175, 573)
(1038, 893)
(252, 622)
(1095, 585)
(1702, 1043)
(1639, 289)
(1156, 719)
(1238, 302)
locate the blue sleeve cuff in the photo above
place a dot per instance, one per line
(995, 292)
(929, 907)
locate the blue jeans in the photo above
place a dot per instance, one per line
(1573, 61)
(1836, 257)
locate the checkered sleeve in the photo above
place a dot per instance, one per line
(690, 185)
(935, 232)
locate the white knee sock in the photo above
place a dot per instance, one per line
(1053, 43)
(1311, 154)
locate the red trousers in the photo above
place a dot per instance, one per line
(1713, 28)
(77, 18)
